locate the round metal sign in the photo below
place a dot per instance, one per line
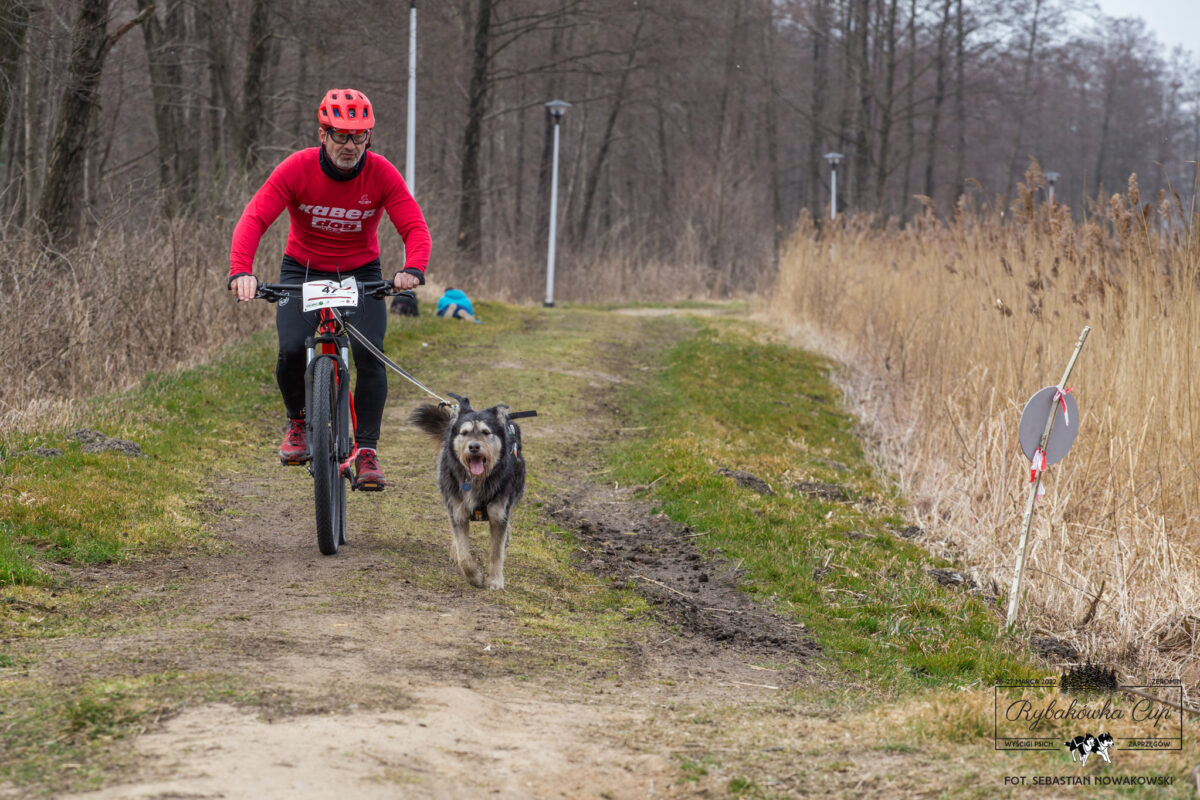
(1033, 424)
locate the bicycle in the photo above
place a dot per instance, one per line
(328, 402)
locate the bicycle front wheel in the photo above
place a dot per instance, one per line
(329, 490)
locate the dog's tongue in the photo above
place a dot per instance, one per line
(477, 466)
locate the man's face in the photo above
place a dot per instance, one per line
(344, 155)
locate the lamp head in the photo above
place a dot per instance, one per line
(557, 108)
(834, 159)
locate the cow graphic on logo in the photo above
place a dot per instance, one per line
(1085, 745)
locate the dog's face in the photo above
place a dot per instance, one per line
(1104, 741)
(477, 441)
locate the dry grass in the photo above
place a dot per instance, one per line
(99, 317)
(948, 328)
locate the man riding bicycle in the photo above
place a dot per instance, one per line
(333, 194)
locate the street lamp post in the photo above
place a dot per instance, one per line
(556, 109)
(834, 159)
(410, 159)
(1051, 179)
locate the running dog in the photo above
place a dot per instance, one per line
(481, 474)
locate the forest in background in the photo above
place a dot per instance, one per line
(697, 132)
(134, 132)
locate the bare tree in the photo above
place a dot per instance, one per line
(90, 45)
(253, 111)
(470, 209)
(620, 97)
(14, 23)
(939, 97)
(1022, 101)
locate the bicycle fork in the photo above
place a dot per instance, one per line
(336, 348)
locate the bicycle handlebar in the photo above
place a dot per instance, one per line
(272, 292)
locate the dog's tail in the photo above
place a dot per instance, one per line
(432, 419)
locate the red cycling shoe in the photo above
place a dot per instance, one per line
(294, 450)
(367, 475)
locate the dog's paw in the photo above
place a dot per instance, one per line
(472, 573)
(496, 582)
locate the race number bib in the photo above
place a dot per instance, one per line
(327, 294)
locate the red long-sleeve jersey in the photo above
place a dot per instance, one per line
(334, 224)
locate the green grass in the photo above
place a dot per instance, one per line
(729, 400)
(93, 508)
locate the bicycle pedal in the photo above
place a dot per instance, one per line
(370, 486)
(293, 462)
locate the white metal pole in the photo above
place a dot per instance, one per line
(410, 160)
(833, 194)
(553, 220)
(1014, 597)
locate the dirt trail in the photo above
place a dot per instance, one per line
(370, 684)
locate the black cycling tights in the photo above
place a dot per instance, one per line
(294, 326)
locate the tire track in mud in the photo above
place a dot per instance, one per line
(623, 540)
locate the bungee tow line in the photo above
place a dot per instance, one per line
(375, 351)
(402, 372)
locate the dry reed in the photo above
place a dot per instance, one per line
(100, 316)
(947, 328)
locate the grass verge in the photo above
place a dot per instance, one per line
(729, 400)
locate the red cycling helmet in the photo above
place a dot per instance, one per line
(346, 110)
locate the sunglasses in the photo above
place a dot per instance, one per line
(340, 137)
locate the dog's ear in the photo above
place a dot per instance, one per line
(464, 403)
(501, 412)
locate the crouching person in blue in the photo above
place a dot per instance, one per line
(455, 304)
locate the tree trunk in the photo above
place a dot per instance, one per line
(820, 80)
(939, 98)
(593, 178)
(1022, 104)
(220, 91)
(14, 22)
(910, 122)
(1110, 83)
(862, 116)
(720, 168)
(960, 103)
(886, 106)
(470, 210)
(165, 85)
(90, 44)
(253, 111)
(771, 131)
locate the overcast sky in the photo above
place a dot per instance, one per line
(1174, 22)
